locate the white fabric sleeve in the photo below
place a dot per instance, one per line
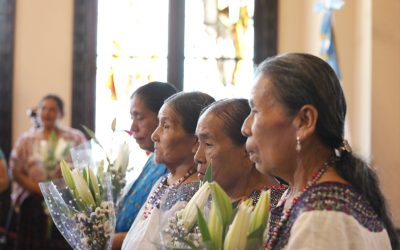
(326, 230)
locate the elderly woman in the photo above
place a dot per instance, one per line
(29, 167)
(146, 101)
(295, 131)
(222, 144)
(174, 146)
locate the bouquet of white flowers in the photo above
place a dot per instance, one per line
(116, 162)
(81, 207)
(223, 226)
(50, 152)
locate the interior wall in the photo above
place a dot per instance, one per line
(42, 57)
(386, 98)
(299, 31)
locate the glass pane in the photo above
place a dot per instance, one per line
(132, 46)
(219, 41)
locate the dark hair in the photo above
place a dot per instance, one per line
(57, 99)
(153, 94)
(188, 106)
(300, 79)
(232, 112)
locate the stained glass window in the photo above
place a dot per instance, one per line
(219, 47)
(133, 48)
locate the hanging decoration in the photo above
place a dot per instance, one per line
(328, 47)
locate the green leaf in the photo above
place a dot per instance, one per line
(85, 175)
(208, 174)
(258, 233)
(113, 124)
(201, 222)
(188, 242)
(92, 135)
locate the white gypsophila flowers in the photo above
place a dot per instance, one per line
(96, 229)
(175, 235)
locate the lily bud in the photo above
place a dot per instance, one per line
(199, 199)
(223, 203)
(215, 227)
(237, 234)
(94, 186)
(67, 175)
(259, 216)
(83, 191)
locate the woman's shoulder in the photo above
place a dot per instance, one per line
(28, 136)
(342, 198)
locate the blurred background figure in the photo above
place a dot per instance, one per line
(4, 180)
(34, 158)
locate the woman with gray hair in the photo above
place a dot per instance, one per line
(296, 131)
(175, 144)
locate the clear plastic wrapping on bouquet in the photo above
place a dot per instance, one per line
(89, 229)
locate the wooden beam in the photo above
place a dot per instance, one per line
(265, 29)
(7, 27)
(176, 43)
(84, 63)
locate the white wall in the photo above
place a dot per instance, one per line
(42, 57)
(386, 98)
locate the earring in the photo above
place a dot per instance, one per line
(298, 145)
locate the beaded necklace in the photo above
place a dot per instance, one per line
(155, 197)
(273, 237)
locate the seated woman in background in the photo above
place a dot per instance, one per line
(174, 145)
(4, 180)
(146, 101)
(29, 168)
(295, 131)
(222, 144)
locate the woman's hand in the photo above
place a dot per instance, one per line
(117, 241)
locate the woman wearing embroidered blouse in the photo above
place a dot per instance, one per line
(174, 146)
(222, 144)
(295, 130)
(29, 167)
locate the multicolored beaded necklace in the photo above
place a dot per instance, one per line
(155, 197)
(273, 237)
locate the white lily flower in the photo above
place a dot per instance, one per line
(122, 160)
(199, 199)
(237, 234)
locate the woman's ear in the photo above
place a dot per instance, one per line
(306, 120)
